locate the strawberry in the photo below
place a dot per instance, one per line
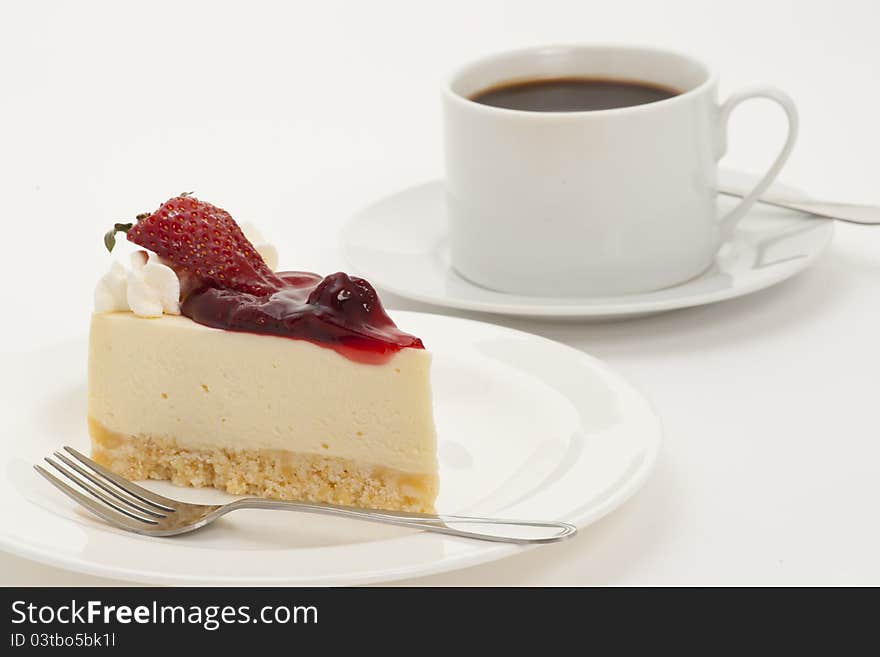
(202, 240)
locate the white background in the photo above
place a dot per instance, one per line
(294, 115)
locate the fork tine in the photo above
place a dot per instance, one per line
(159, 501)
(98, 509)
(97, 494)
(129, 500)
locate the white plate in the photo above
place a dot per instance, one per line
(528, 428)
(400, 244)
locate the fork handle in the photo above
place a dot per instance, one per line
(484, 529)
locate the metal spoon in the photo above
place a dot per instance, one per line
(851, 212)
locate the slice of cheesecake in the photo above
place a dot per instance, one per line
(287, 385)
(259, 414)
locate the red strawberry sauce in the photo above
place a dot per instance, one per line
(235, 289)
(340, 312)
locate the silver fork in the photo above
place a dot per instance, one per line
(136, 509)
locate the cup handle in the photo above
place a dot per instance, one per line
(730, 220)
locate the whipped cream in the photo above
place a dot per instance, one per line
(148, 289)
(267, 251)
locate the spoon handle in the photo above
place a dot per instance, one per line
(851, 212)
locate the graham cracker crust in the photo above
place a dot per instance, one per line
(275, 474)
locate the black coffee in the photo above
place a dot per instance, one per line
(572, 94)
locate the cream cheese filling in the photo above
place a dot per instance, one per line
(204, 387)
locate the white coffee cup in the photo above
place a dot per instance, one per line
(591, 203)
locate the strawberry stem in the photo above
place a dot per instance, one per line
(110, 235)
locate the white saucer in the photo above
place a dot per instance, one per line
(527, 428)
(400, 244)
